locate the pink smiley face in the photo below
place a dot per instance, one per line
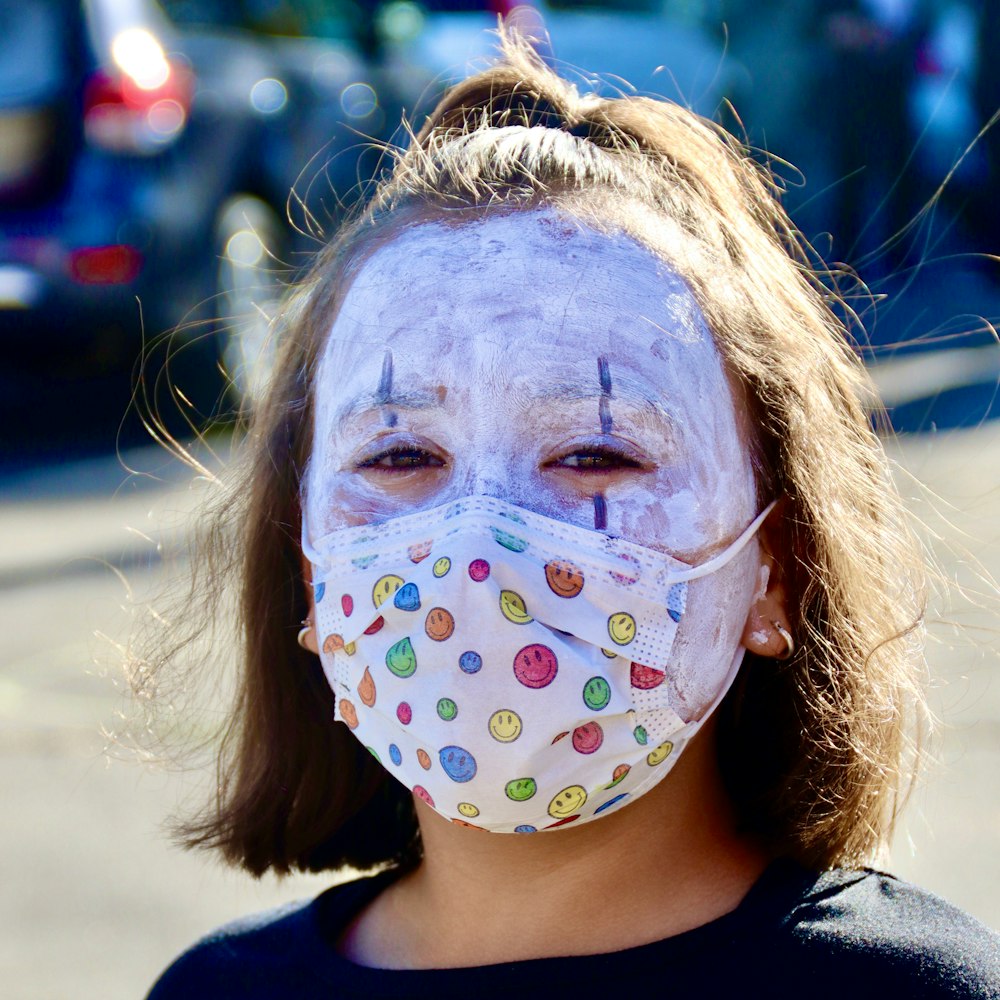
(479, 570)
(588, 738)
(422, 793)
(535, 666)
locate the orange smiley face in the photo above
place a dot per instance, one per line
(348, 713)
(419, 552)
(564, 579)
(467, 825)
(366, 688)
(439, 624)
(333, 643)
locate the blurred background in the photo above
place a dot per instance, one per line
(168, 169)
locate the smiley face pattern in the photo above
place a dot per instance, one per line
(485, 655)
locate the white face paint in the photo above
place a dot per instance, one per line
(530, 359)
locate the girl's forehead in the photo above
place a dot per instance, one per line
(533, 294)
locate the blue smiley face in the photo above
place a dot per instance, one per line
(407, 598)
(610, 803)
(677, 601)
(525, 828)
(319, 591)
(457, 763)
(394, 755)
(470, 662)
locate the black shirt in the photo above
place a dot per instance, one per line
(837, 934)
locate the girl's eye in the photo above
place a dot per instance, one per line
(401, 459)
(596, 460)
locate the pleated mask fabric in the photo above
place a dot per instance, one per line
(507, 667)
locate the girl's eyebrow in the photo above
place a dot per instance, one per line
(627, 393)
(416, 399)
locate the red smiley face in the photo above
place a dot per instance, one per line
(646, 678)
(535, 666)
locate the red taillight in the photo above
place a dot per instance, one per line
(111, 265)
(121, 115)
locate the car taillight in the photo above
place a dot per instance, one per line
(110, 265)
(142, 104)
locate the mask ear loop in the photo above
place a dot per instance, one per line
(727, 554)
(717, 562)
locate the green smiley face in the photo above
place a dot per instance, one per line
(401, 659)
(521, 789)
(447, 709)
(596, 693)
(509, 541)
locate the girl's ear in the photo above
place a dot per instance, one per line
(308, 637)
(767, 631)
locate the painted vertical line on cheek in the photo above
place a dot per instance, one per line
(384, 391)
(604, 406)
(600, 512)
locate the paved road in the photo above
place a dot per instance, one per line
(95, 902)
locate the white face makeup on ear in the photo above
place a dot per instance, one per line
(568, 372)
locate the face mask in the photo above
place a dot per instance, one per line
(508, 668)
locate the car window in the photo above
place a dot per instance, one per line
(612, 6)
(301, 18)
(35, 63)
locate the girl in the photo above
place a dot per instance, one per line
(610, 614)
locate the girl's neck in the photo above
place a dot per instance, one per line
(669, 862)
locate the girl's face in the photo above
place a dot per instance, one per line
(569, 372)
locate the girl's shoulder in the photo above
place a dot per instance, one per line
(281, 952)
(833, 934)
(863, 928)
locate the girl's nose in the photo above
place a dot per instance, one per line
(497, 473)
(493, 483)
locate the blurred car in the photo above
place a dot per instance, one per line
(411, 52)
(663, 47)
(144, 173)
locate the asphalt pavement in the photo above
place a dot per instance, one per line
(95, 899)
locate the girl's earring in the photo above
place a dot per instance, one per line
(789, 641)
(303, 635)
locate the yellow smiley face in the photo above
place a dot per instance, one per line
(660, 754)
(567, 802)
(505, 725)
(513, 608)
(441, 566)
(468, 810)
(385, 588)
(621, 628)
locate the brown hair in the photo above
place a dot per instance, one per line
(828, 727)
